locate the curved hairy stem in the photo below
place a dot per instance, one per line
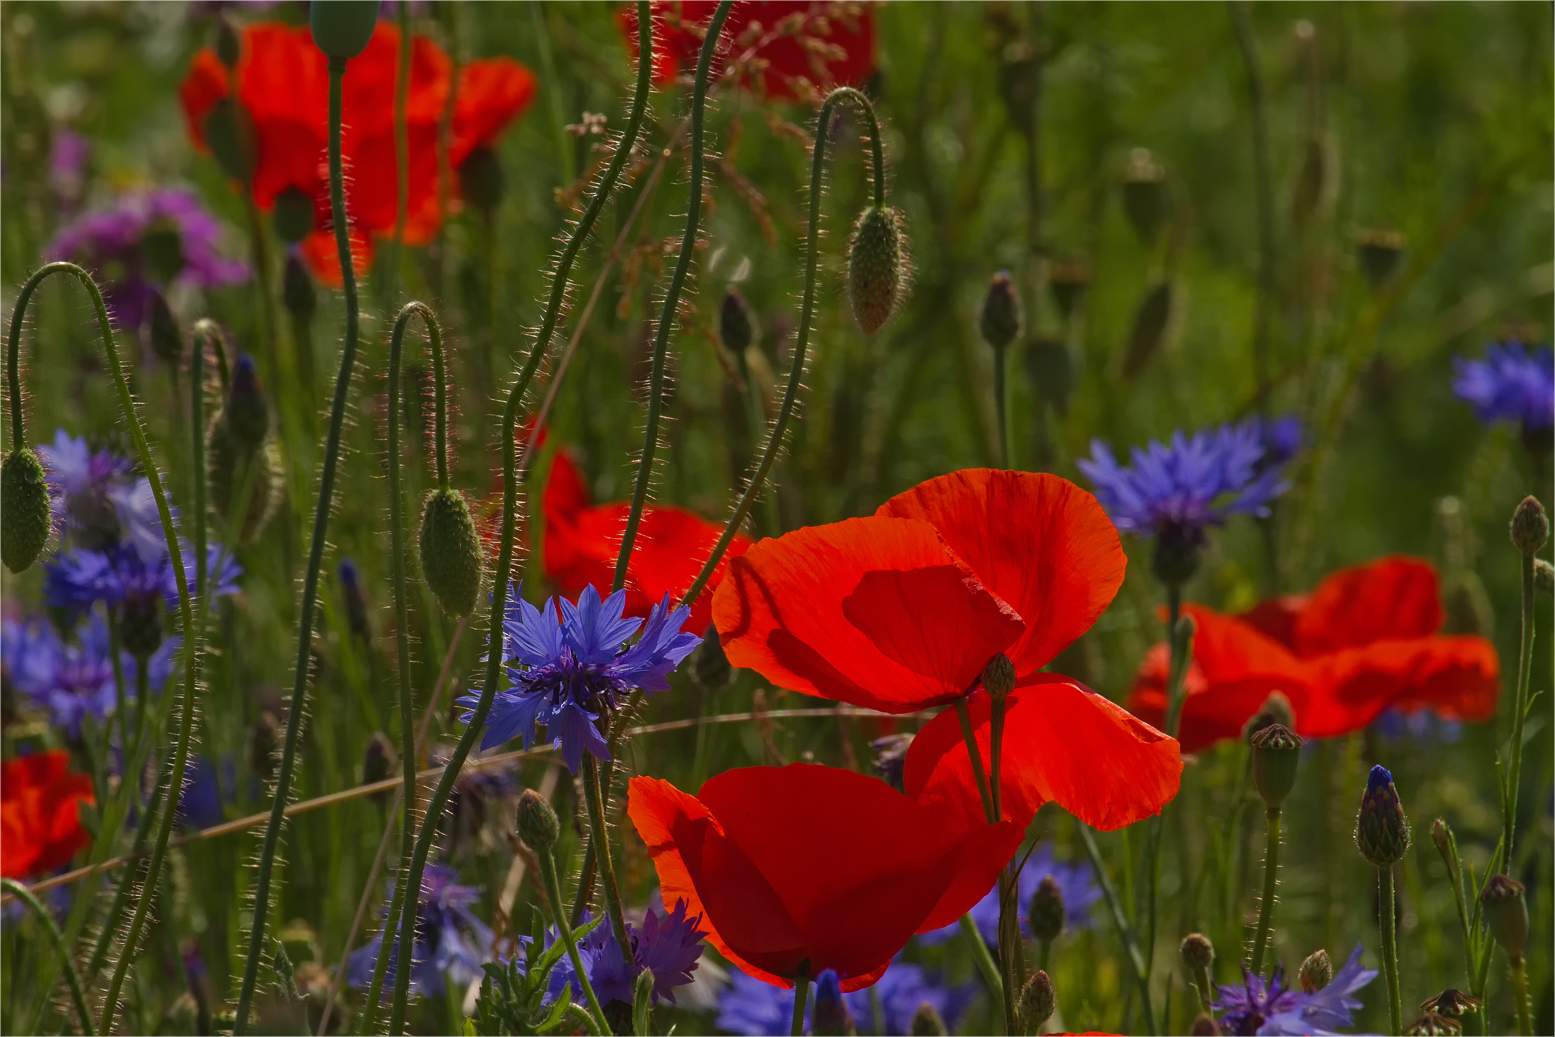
(310, 583)
(57, 940)
(494, 655)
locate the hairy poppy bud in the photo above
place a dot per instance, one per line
(1045, 916)
(293, 216)
(1000, 321)
(710, 669)
(1149, 331)
(297, 289)
(999, 677)
(875, 267)
(228, 47)
(141, 627)
(1452, 1003)
(481, 181)
(355, 599)
(1380, 252)
(451, 551)
(1317, 971)
(736, 328)
(927, 1022)
(1506, 913)
(167, 342)
(1144, 194)
(891, 758)
(1067, 282)
(1037, 1001)
(342, 28)
(1530, 526)
(1432, 1024)
(1381, 829)
(537, 824)
(1276, 752)
(25, 517)
(1276, 709)
(1197, 952)
(1544, 576)
(830, 1016)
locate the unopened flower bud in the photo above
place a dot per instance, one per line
(481, 182)
(891, 758)
(167, 342)
(927, 1022)
(830, 1016)
(1530, 526)
(26, 520)
(1000, 321)
(1544, 576)
(1452, 1003)
(1037, 1001)
(1045, 916)
(1205, 1026)
(1144, 194)
(451, 551)
(1317, 971)
(1067, 282)
(537, 824)
(1381, 829)
(1275, 710)
(141, 627)
(1276, 753)
(247, 413)
(229, 130)
(356, 600)
(999, 677)
(297, 289)
(876, 265)
(342, 28)
(1176, 555)
(292, 217)
(1433, 1024)
(710, 669)
(1197, 952)
(228, 46)
(1506, 913)
(1380, 252)
(736, 328)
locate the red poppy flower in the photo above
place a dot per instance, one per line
(903, 610)
(283, 84)
(1367, 639)
(789, 49)
(38, 813)
(813, 867)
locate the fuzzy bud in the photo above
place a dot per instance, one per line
(1506, 913)
(1317, 971)
(1038, 1001)
(297, 289)
(1276, 709)
(26, 520)
(1381, 251)
(1045, 916)
(736, 327)
(1000, 321)
(1276, 752)
(1452, 1003)
(927, 1022)
(141, 626)
(1544, 576)
(356, 600)
(710, 669)
(537, 824)
(234, 471)
(999, 677)
(167, 342)
(876, 262)
(342, 28)
(1197, 952)
(1144, 194)
(830, 1016)
(1381, 829)
(481, 181)
(451, 551)
(1530, 526)
(293, 216)
(1433, 1024)
(1205, 1026)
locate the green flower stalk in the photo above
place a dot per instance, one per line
(1276, 752)
(1506, 915)
(1000, 324)
(1382, 834)
(1198, 954)
(57, 941)
(1530, 528)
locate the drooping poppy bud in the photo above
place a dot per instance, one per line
(876, 265)
(228, 47)
(736, 327)
(830, 1016)
(297, 289)
(1037, 1001)
(1144, 194)
(1000, 320)
(342, 28)
(167, 342)
(1197, 952)
(1380, 252)
(1381, 829)
(1452, 1003)
(451, 551)
(25, 517)
(927, 1022)
(999, 677)
(1276, 709)
(1276, 753)
(1433, 1024)
(141, 627)
(1067, 282)
(1506, 913)
(293, 216)
(481, 182)
(1530, 526)
(537, 824)
(1317, 971)
(356, 600)
(1045, 917)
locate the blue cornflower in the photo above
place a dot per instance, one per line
(1075, 881)
(573, 665)
(93, 490)
(750, 1006)
(1512, 383)
(450, 940)
(206, 790)
(669, 945)
(1421, 725)
(71, 680)
(77, 580)
(1258, 1007)
(1281, 437)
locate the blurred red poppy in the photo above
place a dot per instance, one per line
(811, 868)
(38, 813)
(1364, 641)
(786, 49)
(283, 84)
(903, 610)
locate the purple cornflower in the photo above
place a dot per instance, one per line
(1281, 437)
(1421, 725)
(750, 1006)
(1511, 383)
(94, 492)
(450, 940)
(148, 240)
(77, 580)
(669, 945)
(1075, 881)
(69, 681)
(1258, 1007)
(574, 664)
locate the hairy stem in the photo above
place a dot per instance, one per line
(1385, 908)
(1520, 996)
(1271, 871)
(1519, 716)
(553, 899)
(599, 838)
(57, 941)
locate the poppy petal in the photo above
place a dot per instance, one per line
(873, 611)
(1458, 677)
(1038, 541)
(1393, 598)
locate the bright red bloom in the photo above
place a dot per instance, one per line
(1367, 639)
(788, 49)
(38, 813)
(283, 84)
(903, 610)
(804, 863)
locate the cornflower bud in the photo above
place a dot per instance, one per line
(297, 289)
(1197, 952)
(1275, 710)
(999, 677)
(1506, 913)
(1176, 555)
(1045, 916)
(247, 413)
(481, 181)
(927, 1022)
(876, 267)
(1432, 1024)
(26, 519)
(293, 216)
(736, 328)
(1000, 320)
(167, 342)
(141, 626)
(1317, 971)
(710, 669)
(355, 599)
(1038, 1001)
(1452, 1003)
(830, 1016)
(1276, 753)
(1380, 252)
(451, 551)
(1205, 1026)
(537, 824)
(1381, 829)
(241, 456)
(342, 28)
(1530, 526)
(1144, 194)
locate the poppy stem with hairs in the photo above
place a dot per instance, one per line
(1001, 401)
(599, 837)
(494, 655)
(57, 941)
(310, 584)
(1179, 637)
(1519, 716)
(1387, 910)
(1271, 870)
(553, 900)
(801, 993)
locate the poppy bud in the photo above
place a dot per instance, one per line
(891, 758)
(1275, 710)
(1149, 331)
(379, 762)
(1037, 1001)
(228, 47)
(1380, 252)
(167, 342)
(1506, 913)
(927, 1022)
(736, 328)
(537, 824)
(234, 471)
(1050, 366)
(1144, 194)
(710, 669)
(1316, 972)
(262, 744)
(830, 1016)
(1431, 1024)
(229, 130)
(1045, 916)
(480, 180)
(141, 626)
(342, 28)
(1530, 526)
(999, 677)
(26, 520)
(1197, 952)
(355, 599)
(293, 216)
(297, 289)
(1000, 321)
(1381, 829)
(247, 413)
(451, 551)
(1176, 555)
(1452, 1003)
(1205, 1026)
(875, 267)
(1276, 752)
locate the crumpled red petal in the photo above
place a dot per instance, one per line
(40, 823)
(1393, 598)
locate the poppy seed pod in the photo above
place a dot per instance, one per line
(1000, 320)
(1506, 913)
(342, 28)
(167, 342)
(1038, 1001)
(293, 216)
(927, 1022)
(1197, 952)
(875, 267)
(999, 677)
(297, 289)
(1276, 753)
(25, 517)
(1530, 526)
(1381, 829)
(736, 329)
(1317, 971)
(451, 551)
(537, 824)
(1452, 1003)
(1045, 916)
(481, 182)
